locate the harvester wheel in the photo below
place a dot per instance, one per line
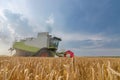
(43, 52)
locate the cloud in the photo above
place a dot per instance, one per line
(50, 20)
(80, 40)
(17, 24)
(79, 36)
(91, 16)
(14, 25)
(4, 48)
(90, 44)
(50, 23)
(88, 41)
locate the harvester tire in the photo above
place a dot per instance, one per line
(43, 52)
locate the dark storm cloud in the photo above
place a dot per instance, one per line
(18, 23)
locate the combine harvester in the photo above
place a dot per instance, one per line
(43, 46)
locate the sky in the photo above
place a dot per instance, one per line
(87, 27)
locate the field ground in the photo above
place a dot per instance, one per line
(78, 68)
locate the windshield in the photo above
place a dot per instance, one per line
(54, 43)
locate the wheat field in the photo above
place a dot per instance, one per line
(78, 68)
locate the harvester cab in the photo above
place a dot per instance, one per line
(50, 51)
(54, 42)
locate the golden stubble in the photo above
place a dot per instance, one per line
(78, 68)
